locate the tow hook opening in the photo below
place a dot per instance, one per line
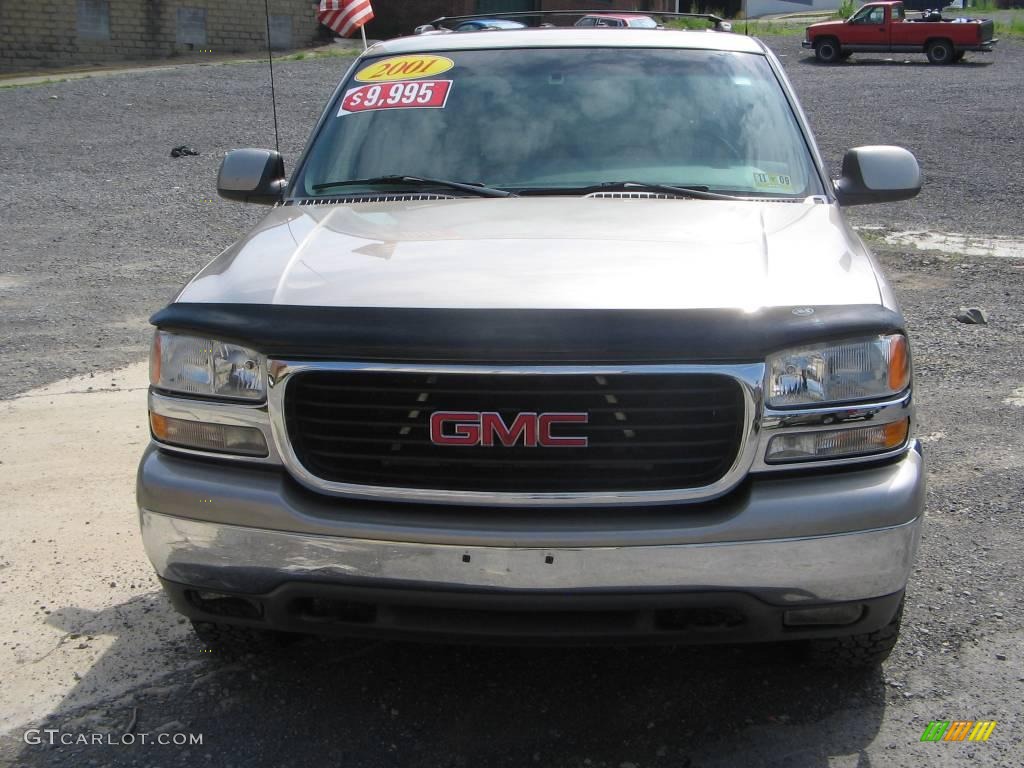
(325, 610)
(222, 604)
(823, 616)
(699, 619)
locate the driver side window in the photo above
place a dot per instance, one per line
(870, 16)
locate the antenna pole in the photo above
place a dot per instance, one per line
(362, 28)
(273, 96)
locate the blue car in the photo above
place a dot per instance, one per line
(478, 24)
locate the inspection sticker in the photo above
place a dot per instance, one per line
(404, 68)
(773, 181)
(419, 94)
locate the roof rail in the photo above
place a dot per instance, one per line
(718, 23)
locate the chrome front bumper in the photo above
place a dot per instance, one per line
(842, 535)
(843, 567)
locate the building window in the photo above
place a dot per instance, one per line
(191, 26)
(94, 19)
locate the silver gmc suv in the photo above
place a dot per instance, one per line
(553, 334)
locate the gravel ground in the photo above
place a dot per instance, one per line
(92, 200)
(64, 309)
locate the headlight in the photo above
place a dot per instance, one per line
(196, 366)
(854, 369)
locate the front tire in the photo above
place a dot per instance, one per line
(940, 52)
(827, 50)
(866, 650)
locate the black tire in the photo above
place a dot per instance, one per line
(867, 650)
(940, 52)
(827, 50)
(232, 640)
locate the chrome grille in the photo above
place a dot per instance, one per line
(646, 432)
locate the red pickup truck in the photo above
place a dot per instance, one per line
(884, 26)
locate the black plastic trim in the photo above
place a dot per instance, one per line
(532, 617)
(511, 336)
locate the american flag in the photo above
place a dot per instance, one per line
(345, 16)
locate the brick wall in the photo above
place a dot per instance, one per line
(58, 33)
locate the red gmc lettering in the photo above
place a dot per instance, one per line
(489, 428)
(548, 420)
(466, 432)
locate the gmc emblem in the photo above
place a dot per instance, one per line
(476, 428)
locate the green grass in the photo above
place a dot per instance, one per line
(742, 26)
(689, 24)
(756, 28)
(1012, 28)
(47, 81)
(330, 53)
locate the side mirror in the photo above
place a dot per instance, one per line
(252, 176)
(877, 175)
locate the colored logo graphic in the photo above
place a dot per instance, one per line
(958, 730)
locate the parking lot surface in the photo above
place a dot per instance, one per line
(100, 227)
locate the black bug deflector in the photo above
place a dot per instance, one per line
(524, 336)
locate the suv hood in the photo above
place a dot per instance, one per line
(545, 253)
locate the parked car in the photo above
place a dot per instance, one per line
(551, 335)
(475, 25)
(883, 27)
(619, 20)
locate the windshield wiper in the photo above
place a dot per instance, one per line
(695, 191)
(417, 181)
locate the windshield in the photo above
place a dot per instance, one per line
(553, 120)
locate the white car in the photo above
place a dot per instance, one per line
(618, 20)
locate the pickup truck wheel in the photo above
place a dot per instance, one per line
(231, 640)
(940, 52)
(867, 650)
(827, 50)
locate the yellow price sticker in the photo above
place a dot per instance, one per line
(404, 68)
